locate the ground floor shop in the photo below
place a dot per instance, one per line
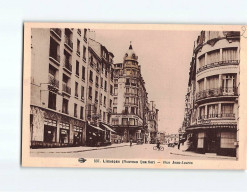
(51, 129)
(99, 135)
(136, 134)
(219, 139)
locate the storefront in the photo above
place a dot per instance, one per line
(50, 131)
(78, 134)
(64, 134)
(95, 136)
(219, 139)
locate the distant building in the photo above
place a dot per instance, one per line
(130, 112)
(171, 139)
(153, 132)
(211, 103)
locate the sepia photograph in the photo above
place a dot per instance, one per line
(152, 96)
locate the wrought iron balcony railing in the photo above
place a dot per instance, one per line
(68, 42)
(53, 82)
(67, 65)
(216, 64)
(66, 88)
(229, 91)
(215, 116)
(55, 57)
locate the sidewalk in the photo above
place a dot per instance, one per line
(76, 149)
(193, 154)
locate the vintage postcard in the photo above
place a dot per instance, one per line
(134, 96)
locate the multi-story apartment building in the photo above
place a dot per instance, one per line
(129, 116)
(211, 110)
(99, 93)
(152, 122)
(58, 83)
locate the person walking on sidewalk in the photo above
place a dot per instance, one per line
(179, 145)
(131, 142)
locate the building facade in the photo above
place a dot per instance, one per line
(211, 102)
(153, 132)
(58, 80)
(129, 116)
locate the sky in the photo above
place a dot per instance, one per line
(165, 58)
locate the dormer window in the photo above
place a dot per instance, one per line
(126, 55)
(133, 55)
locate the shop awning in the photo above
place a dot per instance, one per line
(96, 128)
(110, 129)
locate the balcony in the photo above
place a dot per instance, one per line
(131, 103)
(57, 32)
(78, 52)
(130, 94)
(216, 92)
(55, 58)
(79, 31)
(66, 89)
(217, 64)
(68, 43)
(97, 85)
(67, 66)
(53, 82)
(205, 119)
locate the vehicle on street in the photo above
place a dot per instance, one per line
(160, 148)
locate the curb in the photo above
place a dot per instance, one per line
(217, 157)
(77, 151)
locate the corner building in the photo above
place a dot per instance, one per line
(129, 116)
(211, 112)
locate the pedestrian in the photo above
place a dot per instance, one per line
(130, 142)
(179, 145)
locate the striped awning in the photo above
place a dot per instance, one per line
(98, 128)
(110, 129)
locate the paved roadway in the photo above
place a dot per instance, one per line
(144, 151)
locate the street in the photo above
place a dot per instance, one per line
(123, 151)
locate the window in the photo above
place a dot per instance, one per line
(97, 81)
(202, 112)
(105, 85)
(132, 110)
(227, 110)
(97, 66)
(127, 90)
(115, 100)
(110, 103)
(200, 142)
(82, 92)
(102, 68)
(115, 121)
(91, 76)
(54, 50)
(111, 89)
(229, 54)
(75, 110)
(124, 121)
(127, 100)
(84, 53)
(77, 68)
(85, 34)
(126, 110)
(201, 61)
(101, 82)
(103, 116)
(65, 106)
(228, 83)
(115, 91)
(96, 96)
(212, 111)
(78, 47)
(76, 89)
(201, 85)
(213, 56)
(81, 113)
(104, 101)
(227, 139)
(127, 82)
(132, 121)
(52, 100)
(67, 61)
(101, 99)
(114, 110)
(90, 93)
(213, 82)
(83, 72)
